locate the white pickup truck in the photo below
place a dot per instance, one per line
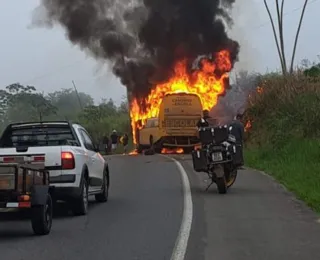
(76, 168)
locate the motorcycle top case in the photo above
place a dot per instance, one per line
(221, 134)
(206, 135)
(200, 160)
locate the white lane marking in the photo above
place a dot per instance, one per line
(181, 244)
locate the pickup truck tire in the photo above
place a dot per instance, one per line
(41, 217)
(80, 204)
(103, 196)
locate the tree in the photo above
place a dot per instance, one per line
(124, 107)
(100, 120)
(280, 46)
(314, 71)
(20, 103)
(67, 103)
(23, 103)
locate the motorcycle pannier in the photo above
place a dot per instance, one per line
(206, 135)
(200, 160)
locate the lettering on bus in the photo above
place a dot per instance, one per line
(177, 123)
(182, 101)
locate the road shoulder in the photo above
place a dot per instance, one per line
(257, 219)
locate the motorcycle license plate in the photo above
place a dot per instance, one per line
(216, 157)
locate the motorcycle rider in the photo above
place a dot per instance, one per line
(203, 122)
(238, 132)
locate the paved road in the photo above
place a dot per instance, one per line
(257, 220)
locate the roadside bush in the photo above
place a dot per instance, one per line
(284, 138)
(283, 109)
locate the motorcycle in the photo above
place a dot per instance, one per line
(216, 156)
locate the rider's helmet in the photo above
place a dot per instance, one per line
(206, 114)
(239, 116)
(114, 131)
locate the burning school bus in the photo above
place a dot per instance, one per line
(175, 126)
(167, 116)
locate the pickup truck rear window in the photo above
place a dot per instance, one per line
(38, 136)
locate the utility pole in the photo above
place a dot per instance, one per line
(75, 89)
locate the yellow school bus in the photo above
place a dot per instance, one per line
(175, 127)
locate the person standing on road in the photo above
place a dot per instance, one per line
(105, 143)
(114, 140)
(238, 132)
(125, 141)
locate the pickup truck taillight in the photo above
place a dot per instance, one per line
(67, 161)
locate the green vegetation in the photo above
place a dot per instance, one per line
(284, 139)
(24, 103)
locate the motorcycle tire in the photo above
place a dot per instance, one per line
(221, 185)
(232, 178)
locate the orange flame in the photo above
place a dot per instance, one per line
(258, 91)
(172, 151)
(203, 82)
(248, 126)
(134, 152)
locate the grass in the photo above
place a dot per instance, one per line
(284, 140)
(296, 165)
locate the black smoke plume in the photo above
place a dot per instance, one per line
(142, 39)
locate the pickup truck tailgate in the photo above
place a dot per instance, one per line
(52, 157)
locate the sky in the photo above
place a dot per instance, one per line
(44, 58)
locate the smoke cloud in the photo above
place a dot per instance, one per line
(142, 39)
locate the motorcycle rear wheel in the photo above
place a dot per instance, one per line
(222, 185)
(232, 178)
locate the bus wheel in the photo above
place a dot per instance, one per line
(139, 148)
(158, 149)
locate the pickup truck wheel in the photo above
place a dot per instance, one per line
(80, 205)
(103, 197)
(41, 218)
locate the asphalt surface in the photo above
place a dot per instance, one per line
(256, 220)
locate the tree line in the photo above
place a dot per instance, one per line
(20, 103)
